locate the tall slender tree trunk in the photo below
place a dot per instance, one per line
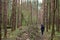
(53, 14)
(37, 13)
(31, 11)
(57, 15)
(0, 16)
(5, 18)
(19, 14)
(13, 16)
(49, 14)
(46, 14)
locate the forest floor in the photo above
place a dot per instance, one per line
(45, 36)
(23, 35)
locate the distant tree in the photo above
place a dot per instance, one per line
(13, 15)
(0, 16)
(53, 18)
(57, 15)
(46, 14)
(44, 11)
(5, 18)
(37, 13)
(49, 14)
(19, 14)
(31, 11)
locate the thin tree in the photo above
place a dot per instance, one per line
(37, 12)
(13, 16)
(44, 11)
(5, 18)
(31, 10)
(57, 7)
(58, 17)
(49, 14)
(46, 14)
(57, 20)
(53, 20)
(47, 17)
(0, 16)
(19, 14)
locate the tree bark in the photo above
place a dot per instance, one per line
(43, 12)
(57, 15)
(19, 14)
(5, 18)
(53, 16)
(46, 14)
(13, 16)
(0, 16)
(49, 14)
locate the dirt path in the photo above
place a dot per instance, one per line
(45, 36)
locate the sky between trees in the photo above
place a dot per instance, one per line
(40, 1)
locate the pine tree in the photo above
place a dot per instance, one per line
(19, 14)
(53, 17)
(13, 16)
(0, 16)
(57, 15)
(49, 14)
(5, 18)
(46, 14)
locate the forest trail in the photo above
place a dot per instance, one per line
(25, 36)
(45, 36)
